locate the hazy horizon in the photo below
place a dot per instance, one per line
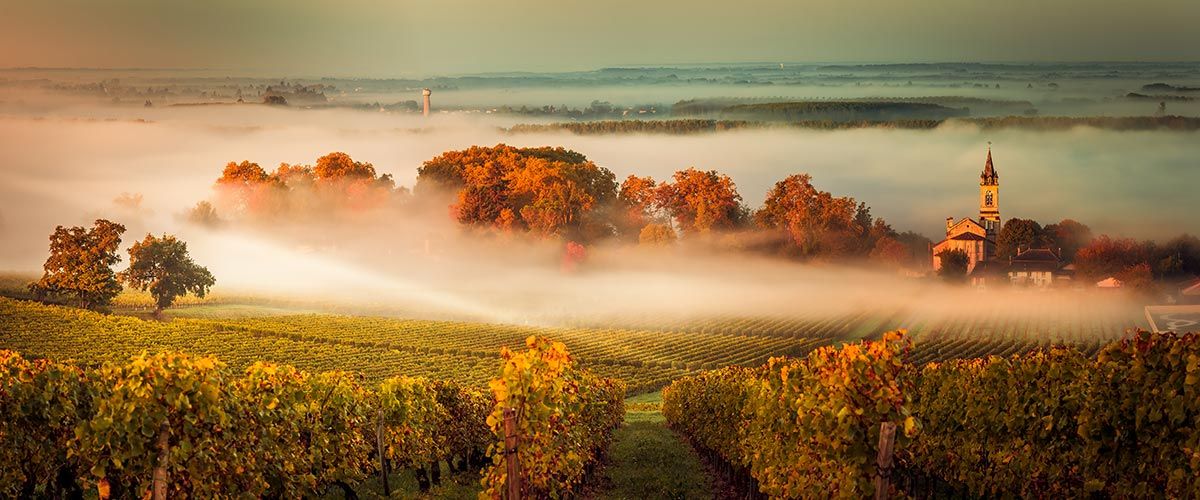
(367, 38)
(252, 72)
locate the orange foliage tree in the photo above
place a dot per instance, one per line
(636, 200)
(546, 191)
(337, 183)
(701, 201)
(818, 223)
(1106, 256)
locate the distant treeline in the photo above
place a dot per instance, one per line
(1101, 122)
(722, 106)
(636, 126)
(1165, 87)
(954, 101)
(696, 126)
(714, 105)
(1158, 97)
(841, 111)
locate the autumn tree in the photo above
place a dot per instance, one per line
(342, 183)
(890, 252)
(954, 265)
(338, 165)
(444, 172)
(918, 247)
(1138, 278)
(817, 222)
(337, 184)
(163, 267)
(1018, 234)
(552, 196)
(447, 171)
(551, 153)
(203, 214)
(294, 176)
(1068, 236)
(656, 235)
(638, 192)
(80, 264)
(246, 188)
(1106, 256)
(701, 201)
(547, 191)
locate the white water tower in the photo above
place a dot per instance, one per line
(426, 93)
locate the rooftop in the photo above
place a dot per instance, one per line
(1191, 289)
(1036, 255)
(967, 236)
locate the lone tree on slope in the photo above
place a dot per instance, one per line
(80, 264)
(162, 266)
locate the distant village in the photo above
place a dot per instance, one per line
(1031, 266)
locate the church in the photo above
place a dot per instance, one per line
(976, 238)
(1031, 267)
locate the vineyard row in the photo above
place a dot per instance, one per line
(165, 424)
(1051, 423)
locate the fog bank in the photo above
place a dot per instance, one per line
(76, 164)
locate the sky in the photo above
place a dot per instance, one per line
(417, 38)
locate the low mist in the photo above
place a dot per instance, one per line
(146, 168)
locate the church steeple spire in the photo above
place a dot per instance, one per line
(989, 202)
(989, 177)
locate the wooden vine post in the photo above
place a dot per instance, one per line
(883, 461)
(511, 443)
(164, 457)
(383, 469)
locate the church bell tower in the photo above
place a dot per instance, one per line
(989, 198)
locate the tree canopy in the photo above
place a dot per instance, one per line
(954, 265)
(656, 235)
(1179, 256)
(1106, 256)
(1068, 236)
(545, 191)
(336, 184)
(80, 264)
(637, 203)
(163, 267)
(818, 223)
(338, 165)
(701, 201)
(1018, 234)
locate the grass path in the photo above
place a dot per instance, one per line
(649, 461)
(460, 486)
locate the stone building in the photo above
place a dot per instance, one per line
(976, 238)
(1036, 267)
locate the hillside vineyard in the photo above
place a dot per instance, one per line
(647, 355)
